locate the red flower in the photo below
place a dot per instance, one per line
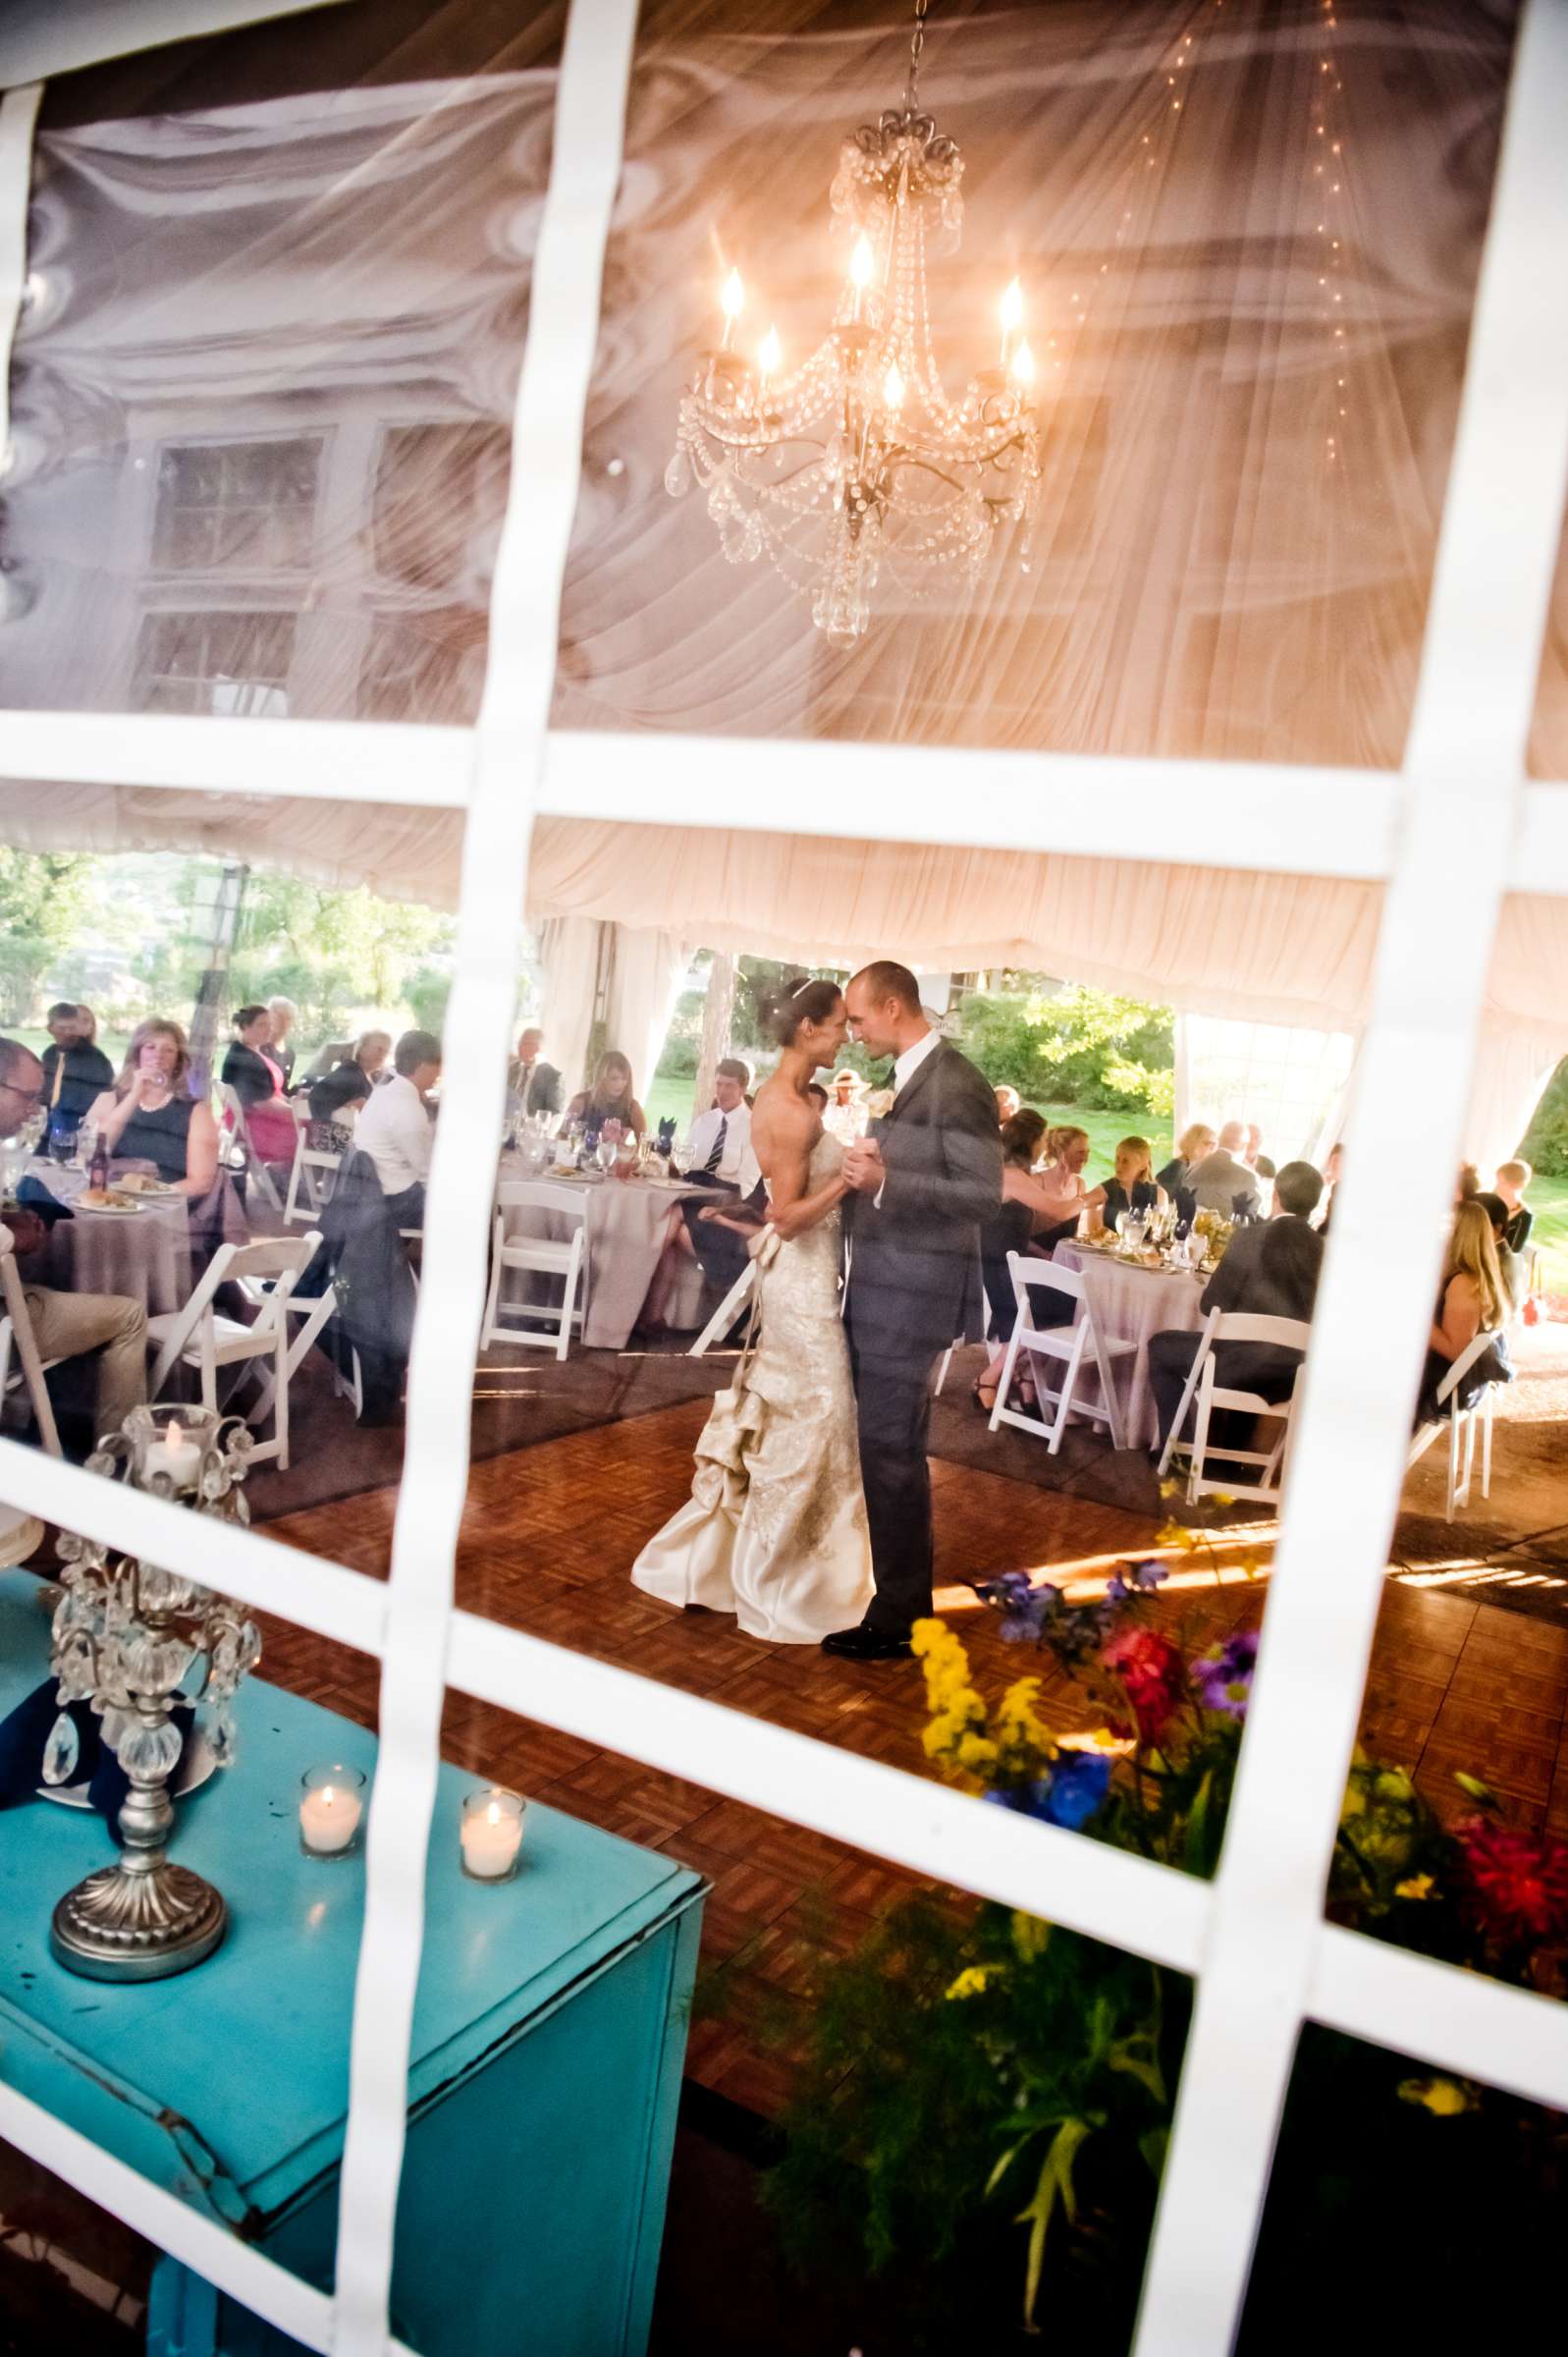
(1518, 1883)
(1153, 1675)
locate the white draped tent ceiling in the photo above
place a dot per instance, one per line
(319, 235)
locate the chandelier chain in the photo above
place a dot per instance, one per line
(916, 46)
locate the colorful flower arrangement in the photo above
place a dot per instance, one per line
(1024, 2056)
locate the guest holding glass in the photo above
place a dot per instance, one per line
(610, 1098)
(255, 1075)
(149, 1115)
(1133, 1187)
(75, 1071)
(1059, 1194)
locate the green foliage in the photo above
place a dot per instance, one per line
(42, 900)
(1078, 1046)
(1547, 1140)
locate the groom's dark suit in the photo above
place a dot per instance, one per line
(914, 1285)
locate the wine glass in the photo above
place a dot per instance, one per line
(63, 1144)
(680, 1155)
(604, 1155)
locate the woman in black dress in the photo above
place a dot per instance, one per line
(149, 1114)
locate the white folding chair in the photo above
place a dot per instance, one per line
(309, 1161)
(253, 1163)
(1072, 1348)
(957, 1343)
(201, 1337)
(1202, 1385)
(15, 1326)
(728, 1310)
(312, 1310)
(537, 1255)
(1461, 1420)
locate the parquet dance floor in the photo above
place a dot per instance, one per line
(547, 1540)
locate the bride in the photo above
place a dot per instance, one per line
(775, 1529)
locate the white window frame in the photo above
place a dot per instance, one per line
(1447, 834)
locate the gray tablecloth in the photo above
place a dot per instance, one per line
(629, 1222)
(1129, 1304)
(144, 1255)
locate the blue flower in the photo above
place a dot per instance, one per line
(1068, 1797)
(1149, 1574)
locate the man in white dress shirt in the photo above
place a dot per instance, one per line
(395, 1127)
(721, 1159)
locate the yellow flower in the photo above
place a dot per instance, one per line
(1418, 1885)
(971, 1982)
(1176, 1534)
(1030, 1937)
(1446, 2099)
(1169, 1489)
(975, 1754)
(1354, 1803)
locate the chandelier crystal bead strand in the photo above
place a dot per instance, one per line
(857, 462)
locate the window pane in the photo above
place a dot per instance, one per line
(1247, 358)
(294, 381)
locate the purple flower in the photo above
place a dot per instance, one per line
(1149, 1574)
(1221, 1678)
(1068, 1797)
(1116, 1589)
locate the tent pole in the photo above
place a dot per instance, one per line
(226, 910)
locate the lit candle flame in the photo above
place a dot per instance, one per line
(493, 1814)
(1012, 306)
(733, 296)
(771, 353)
(328, 1795)
(1023, 366)
(893, 386)
(862, 261)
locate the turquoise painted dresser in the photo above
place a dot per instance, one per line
(547, 2048)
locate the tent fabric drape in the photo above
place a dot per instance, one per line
(650, 966)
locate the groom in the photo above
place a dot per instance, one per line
(921, 1187)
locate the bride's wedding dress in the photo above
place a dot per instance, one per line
(775, 1529)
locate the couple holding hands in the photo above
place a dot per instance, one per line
(809, 1517)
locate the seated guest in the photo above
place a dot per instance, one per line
(1330, 1180)
(533, 1085)
(280, 1047)
(1252, 1157)
(394, 1127)
(717, 1139)
(1134, 1186)
(845, 1116)
(1009, 1230)
(149, 1115)
(1008, 1102)
(1511, 1181)
(1195, 1141)
(610, 1098)
(250, 1070)
(1511, 1265)
(1471, 1300)
(1222, 1182)
(1060, 1198)
(1270, 1270)
(70, 1325)
(351, 1081)
(75, 1071)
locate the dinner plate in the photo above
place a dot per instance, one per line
(105, 1211)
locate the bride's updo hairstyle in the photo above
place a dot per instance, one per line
(783, 1011)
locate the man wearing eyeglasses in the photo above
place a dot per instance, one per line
(69, 1325)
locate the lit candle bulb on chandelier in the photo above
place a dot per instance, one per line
(1023, 367)
(734, 300)
(1012, 316)
(862, 262)
(770, 355)
(892, 388)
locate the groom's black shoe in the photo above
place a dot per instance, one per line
(866, 1644)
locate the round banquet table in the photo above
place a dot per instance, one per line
(1129, 1304)
(628, 1225)
(144, 1255)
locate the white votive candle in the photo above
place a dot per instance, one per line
(176, 1457)
(331, 1807)
(492, 1833)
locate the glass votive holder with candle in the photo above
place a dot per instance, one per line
(492, 1833)
(167, 1445)
(331, 1808)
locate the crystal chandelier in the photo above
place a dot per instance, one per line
(857, 461)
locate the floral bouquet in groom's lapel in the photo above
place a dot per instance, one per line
(877, 1104)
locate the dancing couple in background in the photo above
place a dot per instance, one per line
(810, 1510)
